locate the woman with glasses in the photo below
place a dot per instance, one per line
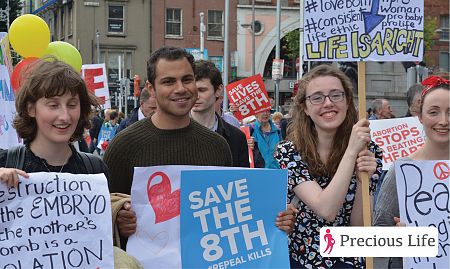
(326, 148)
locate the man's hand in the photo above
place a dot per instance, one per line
(286, 220)
(126, 220)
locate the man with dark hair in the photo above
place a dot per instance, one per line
(169, 136)
(147, 105)
(209, 84)
(413, 99)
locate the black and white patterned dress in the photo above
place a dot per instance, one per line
(304, 240)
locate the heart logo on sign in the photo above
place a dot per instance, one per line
(157, 243)
(164, 202)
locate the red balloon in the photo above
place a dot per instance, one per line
(19, 71)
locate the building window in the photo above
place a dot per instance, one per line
(111, 58)
(259, 27)
(63, 25)
(444, 63)
(116, 19)
(70, 24)
(215, 24)
(444, 28)
(55, 26)
(173, 22)
(51, 27)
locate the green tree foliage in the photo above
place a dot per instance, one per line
(15, 7)
(429, 32)
(293, 42)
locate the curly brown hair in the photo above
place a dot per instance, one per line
(48, 78)
(302, 131)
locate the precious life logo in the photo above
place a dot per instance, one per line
(379, 241)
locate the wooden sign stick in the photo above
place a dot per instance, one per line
(364, 177)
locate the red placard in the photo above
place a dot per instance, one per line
(89, 78)
(96, 81)
(249, 96)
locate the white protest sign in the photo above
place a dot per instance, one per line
(397, 137)
(5, 52)
(56, 220)
(155, 196)
(97, 82)
(156, 243)
(8, 135)
(363, 30)
(277, 69)
(423, 198)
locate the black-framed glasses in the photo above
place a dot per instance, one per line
(319, 98)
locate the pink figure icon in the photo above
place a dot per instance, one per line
(330, 241)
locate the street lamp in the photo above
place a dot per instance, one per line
(97, 37)
(253, 38)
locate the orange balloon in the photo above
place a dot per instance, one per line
(21, 69)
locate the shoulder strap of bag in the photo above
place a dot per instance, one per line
(91, 163)
(16, 157)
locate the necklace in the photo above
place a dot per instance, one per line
(62, 167)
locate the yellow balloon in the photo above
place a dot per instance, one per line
(64, 52)
(29, 35)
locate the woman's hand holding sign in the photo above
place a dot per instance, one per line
(10, 176)
(366, 162)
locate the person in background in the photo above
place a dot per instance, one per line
(108, 132)
(107, 113)
(381, 109)
(210, 86)
(433, 113)
(277, 117)
(265, 136)
(226, 115)
(96, 125)
(147, 106)
(326, 149)
(413, 98)
(121, 117)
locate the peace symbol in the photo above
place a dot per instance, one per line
(441, 170)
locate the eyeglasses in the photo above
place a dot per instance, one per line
(319, 98)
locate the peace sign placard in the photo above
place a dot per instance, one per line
(423, 196)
